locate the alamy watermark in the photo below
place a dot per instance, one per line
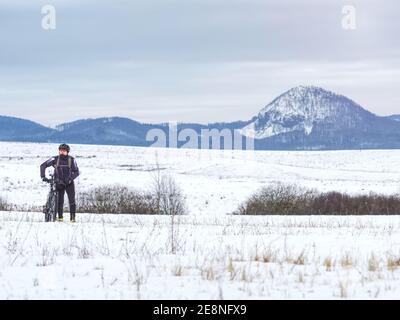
(349, 19)
(205, 138)
(49, 17)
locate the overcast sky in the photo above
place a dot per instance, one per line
(197, 60)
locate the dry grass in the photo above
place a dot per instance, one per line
(393, 263)
(244, 276)
(300, 259)
(208, 273)
(230, 268)
(177, 271)
(347, 261)
(297, 260)
(300, 277)
(256, 264)
(269, 256)
(328, 264)
(373, 263)
(343, 289)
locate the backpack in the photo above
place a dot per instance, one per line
(58, 162)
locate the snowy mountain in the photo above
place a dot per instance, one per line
(303, 118)
(300, 109)
(309, 117)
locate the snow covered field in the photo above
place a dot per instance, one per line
(214, 182)
(217, 255)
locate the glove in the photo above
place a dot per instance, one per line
(44, 179)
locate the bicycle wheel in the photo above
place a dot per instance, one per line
(47, 215)
(53, 206)
(47, 208)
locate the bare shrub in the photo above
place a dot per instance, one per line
(168, 196)
(277, 199)
(169, 200)
(117, 200)
(165, 198)
(291, 200)
(336, 203)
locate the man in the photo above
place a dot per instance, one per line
(65, 172)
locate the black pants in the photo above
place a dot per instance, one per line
(70, 189)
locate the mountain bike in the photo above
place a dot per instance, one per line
(51, 207)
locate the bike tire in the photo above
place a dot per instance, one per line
(51, 207)
(54, 206)
(47, 215)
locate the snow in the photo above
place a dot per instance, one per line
(218, 255)
(214, 181)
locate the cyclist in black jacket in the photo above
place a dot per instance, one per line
(65, 172)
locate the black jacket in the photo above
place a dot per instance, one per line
(65, 169)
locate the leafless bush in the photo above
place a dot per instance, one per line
(337, 203)
(169, 201)
(277, 199)
(117, 200)
(168, 196)
(291, 200)
(165, 198)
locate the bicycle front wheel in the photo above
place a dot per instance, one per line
(53, 207)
